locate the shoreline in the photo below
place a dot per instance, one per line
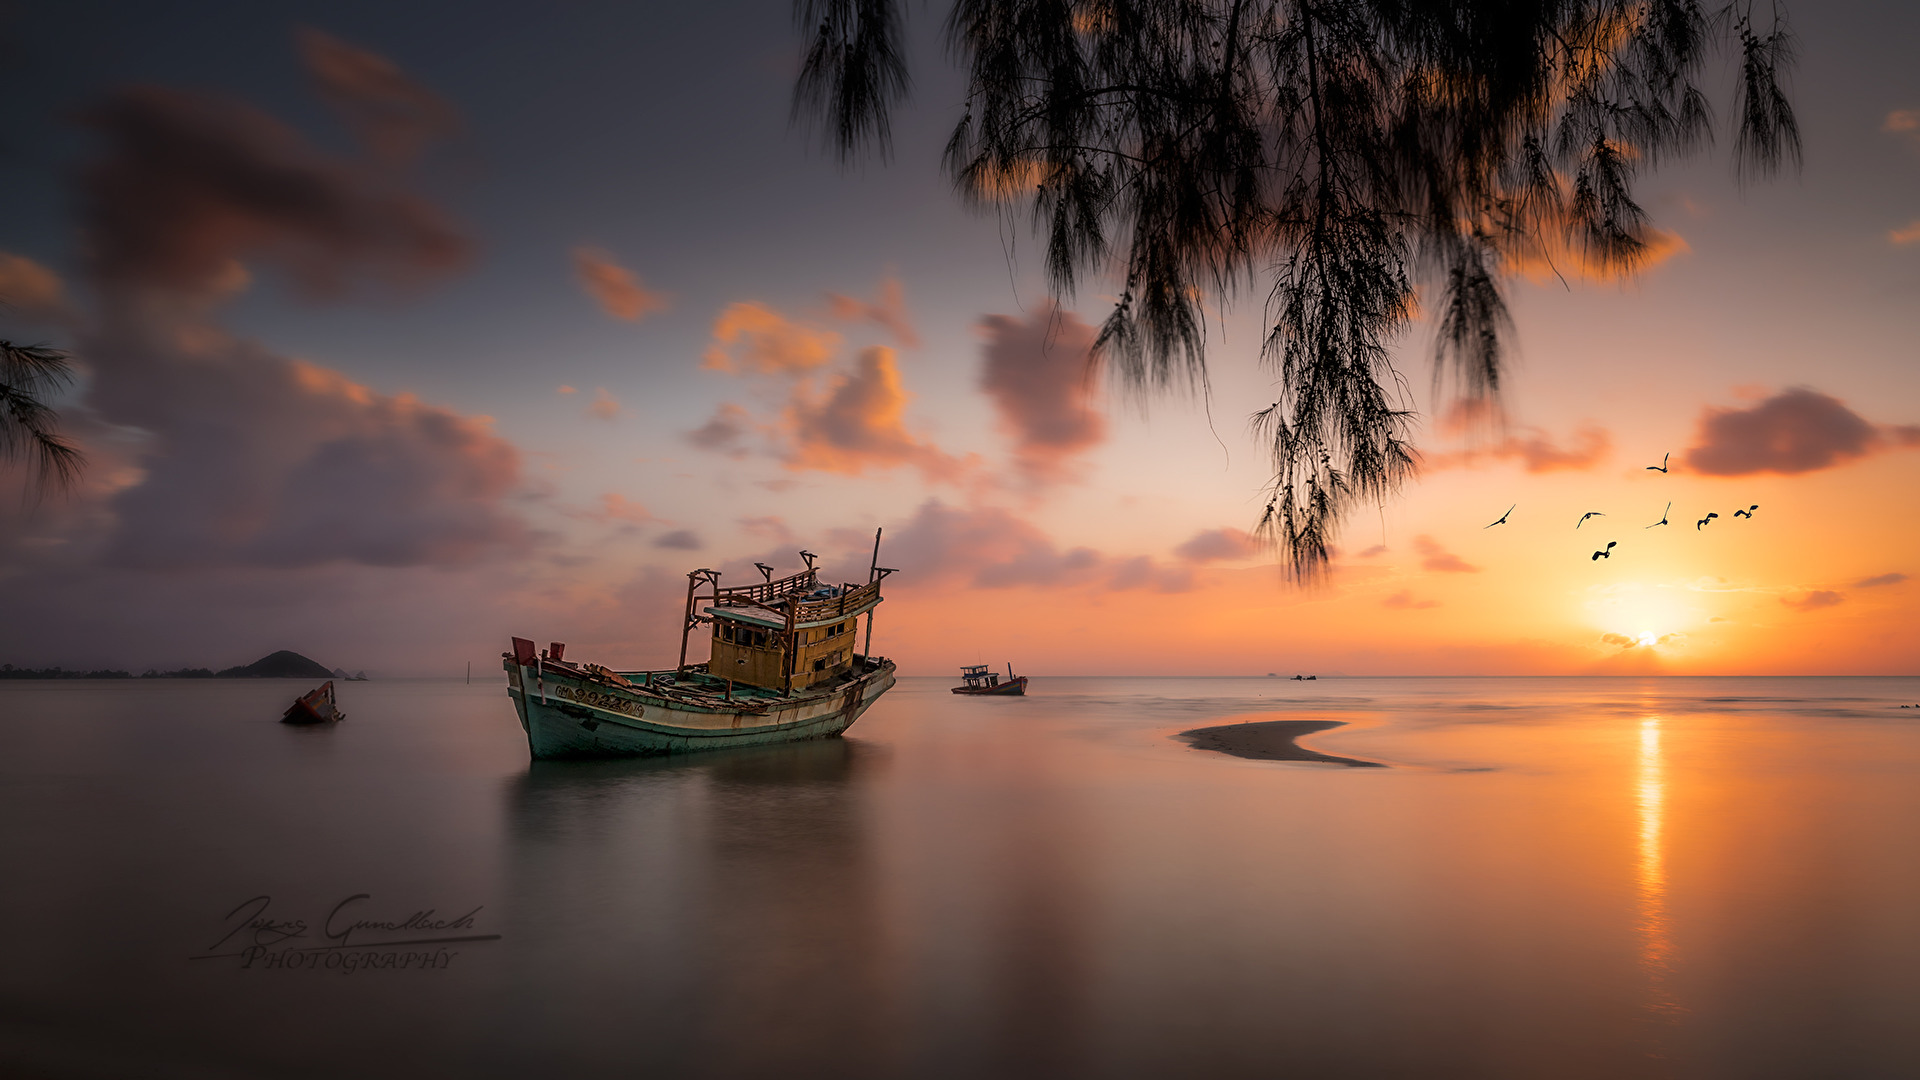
(1271, 740)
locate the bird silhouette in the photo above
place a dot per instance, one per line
(1605, 552)
(1748, 512)
(1503, 518)
(1663, 517)
(1702, 522)
(1662, 467)
(1585, 516)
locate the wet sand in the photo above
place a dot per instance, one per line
(1270, 740)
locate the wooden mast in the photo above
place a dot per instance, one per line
(873, 568)
(691, 620)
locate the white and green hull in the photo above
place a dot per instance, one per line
(567, 715)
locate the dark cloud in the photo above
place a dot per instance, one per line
(725, 432)
(1438, 559)
(1213, 545)
(1041, 380)
(394, 117)
(1798, 430)
(1814, 600)
(1878, 580)
(679, 540)
(190, 184)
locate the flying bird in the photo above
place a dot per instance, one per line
(1585, 516)
(1662, 467)
(1503, 518)
(1663, 516)
(1605, 552)
(1748, 512)
(1702, 522)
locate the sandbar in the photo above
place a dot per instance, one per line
(1271, 740)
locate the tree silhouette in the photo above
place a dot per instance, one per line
(1336, 155)
(29, 428)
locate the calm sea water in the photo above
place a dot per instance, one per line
(1553, 877)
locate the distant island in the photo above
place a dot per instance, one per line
(285, 664)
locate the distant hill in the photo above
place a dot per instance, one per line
(284, 664)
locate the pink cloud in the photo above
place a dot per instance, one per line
(1534, 448)
(753, 337)
(888, 310)
(1797, 430)
(29, 287)
(859, 422)
(393, 116)
(1040, 377)
(604, 405)
(1435, 558)
(1814, 600)
(1404, 599)
(991, 548)
(619, 292)
(1879, 580)
(1212, 545)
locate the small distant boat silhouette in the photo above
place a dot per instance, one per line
(981, 680)
(1305, 678)
(314, 707)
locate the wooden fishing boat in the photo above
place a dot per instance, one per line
(316, 706)
(782, 667)
(980, 680)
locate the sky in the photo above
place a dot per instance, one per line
(407, 328)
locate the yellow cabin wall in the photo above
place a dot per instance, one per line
(760, 666)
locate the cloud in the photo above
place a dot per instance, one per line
(618, 291)
(565, 389)
(1404, 599)
(1212, 545)
(679, 540)
(1814, 600)
(725, 432)
(1878, 580)
(394, 117)
(1906, 234)
(990, 548)
(617, 507)
(191, 183)
(243, 457)
(1040, 377)
(28, 287)
(752, 337)
(1797, 430)
(1903, 122)
(256, 459)
(1533, 447)
(604, 405)
(767, 528)
(888, 310)
(1438, 559)
(1559, 260)
(858, 423)
(1377, 549)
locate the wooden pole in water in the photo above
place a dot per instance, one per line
(469, 673)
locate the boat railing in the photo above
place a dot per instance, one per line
(850, 600)
(769, 591)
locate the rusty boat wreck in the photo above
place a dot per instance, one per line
(782, 668)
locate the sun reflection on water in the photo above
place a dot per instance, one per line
(1656, 943)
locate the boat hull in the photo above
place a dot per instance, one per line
(1017, 687)
(567, 717)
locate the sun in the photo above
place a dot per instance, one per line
(1646, 640)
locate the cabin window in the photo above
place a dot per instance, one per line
(820, 664)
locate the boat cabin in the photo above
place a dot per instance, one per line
(979, 676)
(786, 635)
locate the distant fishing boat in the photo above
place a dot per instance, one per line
(1305, 678)
(980, 680)
(316, 706)
(782, 668)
